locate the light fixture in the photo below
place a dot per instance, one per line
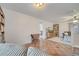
(39, 5)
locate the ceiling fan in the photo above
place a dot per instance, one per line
(72, 19)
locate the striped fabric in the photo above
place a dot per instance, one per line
(36, 52)
(15, 50)
(12, 50)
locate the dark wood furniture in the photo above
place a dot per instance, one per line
(56, 30)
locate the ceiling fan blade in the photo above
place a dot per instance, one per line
(67, 18)
(72, 17)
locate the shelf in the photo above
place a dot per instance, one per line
(2, 23)
(2, 26)
(1, 15)
(1, 12)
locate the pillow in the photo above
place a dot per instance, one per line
(12, 50)
(36, 52)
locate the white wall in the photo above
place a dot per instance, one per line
(75, 33)
(63, 26)
(18, 27)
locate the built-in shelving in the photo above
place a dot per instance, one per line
(2, 40)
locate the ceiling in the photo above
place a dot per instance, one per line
(52, 12)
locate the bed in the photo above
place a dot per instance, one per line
(18, 50)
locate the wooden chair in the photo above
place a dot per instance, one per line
(35, 40)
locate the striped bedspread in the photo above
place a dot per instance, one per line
(15, 50)
(12, 50)
(36, 52)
